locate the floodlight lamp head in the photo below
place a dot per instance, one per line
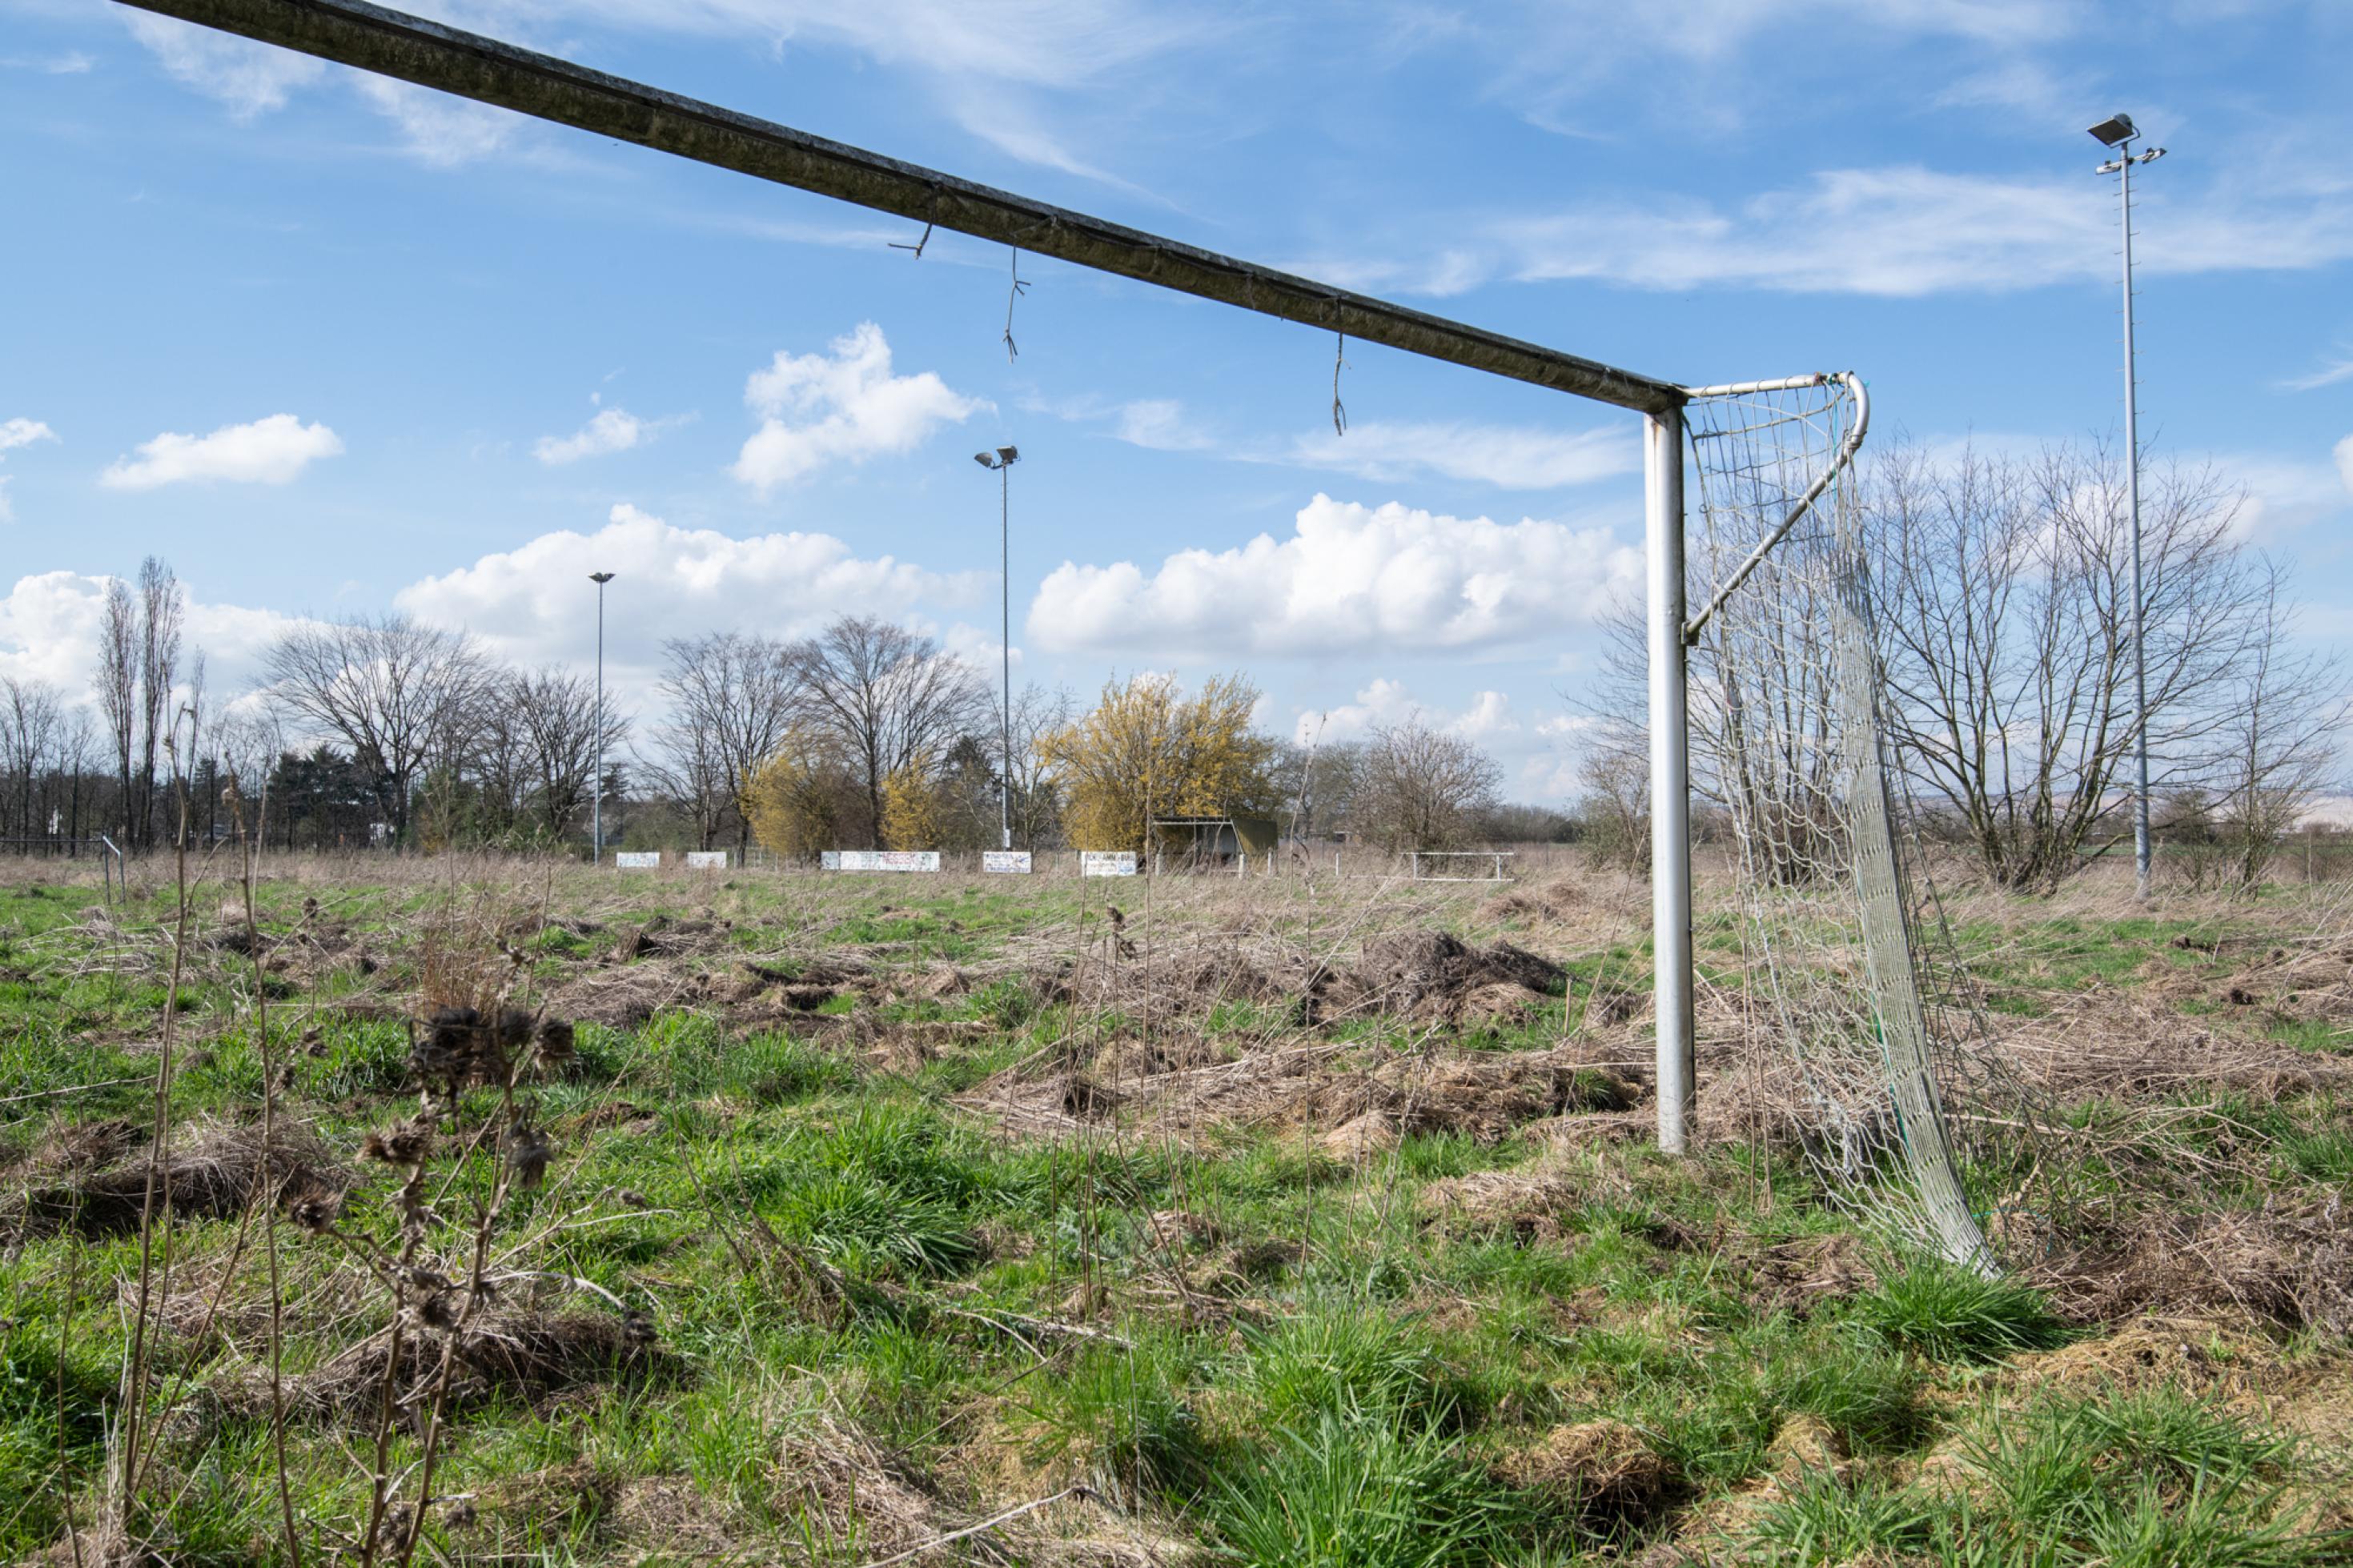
(984, 460)
(600, 578)
(1008, 454)
(2116, 129)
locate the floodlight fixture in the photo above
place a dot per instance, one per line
(600, 578)
(984, 460)
(1008, 454)
(2116, 129)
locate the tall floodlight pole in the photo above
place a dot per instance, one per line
(1002, 460)
(597, 809)
(2117, 131)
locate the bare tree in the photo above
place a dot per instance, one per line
(2004, 607)
(162, 609)
(32, 729)
(1036, 798)
(2282, 709)
(1320, 782)
(248, 739)
(1615, 773)
(1423, 788)
(118, 692)
(890, 697)
(391, 688)
(555, 711)
(732, 700)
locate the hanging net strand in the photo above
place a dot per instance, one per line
(1866, 1007)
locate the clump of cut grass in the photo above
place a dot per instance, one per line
(1943, 1312)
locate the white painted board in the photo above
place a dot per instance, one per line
(881, 860)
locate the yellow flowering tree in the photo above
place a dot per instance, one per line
(911, 806)
(1148, 750)
(801, 799)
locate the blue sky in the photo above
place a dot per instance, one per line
(334, 345)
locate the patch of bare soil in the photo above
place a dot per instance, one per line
(98, 1181)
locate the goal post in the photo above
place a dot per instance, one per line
(488, 71)
(1671, 846)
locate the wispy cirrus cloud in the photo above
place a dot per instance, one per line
(1894, 231)
(609, 430)
(2338, 368)
(436, 128)
(250, 78)
(1508, 457)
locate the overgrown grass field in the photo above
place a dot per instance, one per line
(775, 1219)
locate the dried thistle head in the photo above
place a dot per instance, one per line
(515, 1026)
(315, 1213)
(407, 1144)
(528, 1150)
(310, 907)
(557, 1040)
(637, 1331)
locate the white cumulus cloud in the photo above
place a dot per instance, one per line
(50, 625)
(842, 405)
(269, 451)
(1349, 578)
(17, 433)
(612, 430)
(534, 603)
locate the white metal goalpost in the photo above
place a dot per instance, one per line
(470, 65)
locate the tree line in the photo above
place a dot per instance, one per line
(384, 732)
(2000, 591)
